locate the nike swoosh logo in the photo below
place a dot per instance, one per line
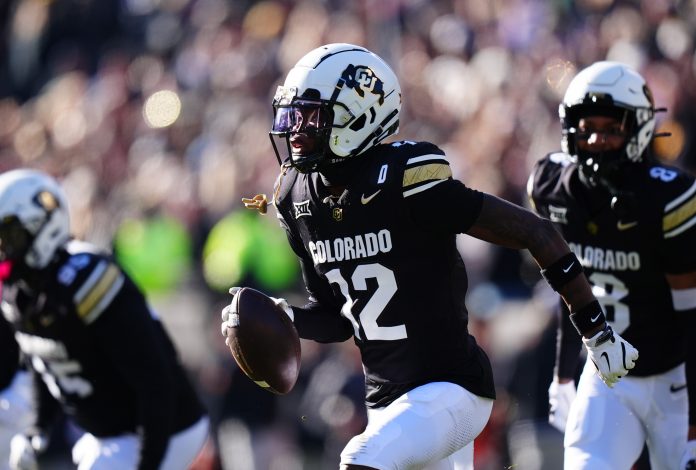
(675, 388)
(606, 358)
(623, 355)
(625, 226)
(367, 199)
(565, 270)
(594, 319)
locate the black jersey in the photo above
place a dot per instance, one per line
(89, 334)
(626, 259)
(380, 263)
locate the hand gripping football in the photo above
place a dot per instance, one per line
(263, 341)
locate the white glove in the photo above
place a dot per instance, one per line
(688, 461)
(612, 355)
(23, 451)
(282, 303)
(561, 395)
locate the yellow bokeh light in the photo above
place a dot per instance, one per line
(162, 109)
(670, 147)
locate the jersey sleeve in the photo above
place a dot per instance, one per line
(434, 199)
(92, 281)
(679, 230)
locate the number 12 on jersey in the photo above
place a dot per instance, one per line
(375, 304)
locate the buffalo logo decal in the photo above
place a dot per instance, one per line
(361, 78)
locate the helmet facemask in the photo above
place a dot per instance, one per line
(603, 167)
(607, 167)
(15, 239)
(301, 129)
(608, 89)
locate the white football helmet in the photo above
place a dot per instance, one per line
(34, 219)
(608, 89)
(343, 97)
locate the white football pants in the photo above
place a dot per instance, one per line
(607, 427)
(122, 452)
(432, 426)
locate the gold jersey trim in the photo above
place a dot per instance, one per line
(429, 172)
(680, 216)
(101, 294)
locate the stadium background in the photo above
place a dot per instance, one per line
(155, 114)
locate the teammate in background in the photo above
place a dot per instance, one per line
(16, 405)
(374, 227)
(88, 332)
(632, 222)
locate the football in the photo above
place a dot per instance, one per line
(263, 341)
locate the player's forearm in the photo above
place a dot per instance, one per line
(318, 324)
(506, 224)
(568, 346)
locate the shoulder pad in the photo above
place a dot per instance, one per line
(679, 212)
(424, 165)
(551, 164)
(547, 179)
(409, 149)
(92, 280)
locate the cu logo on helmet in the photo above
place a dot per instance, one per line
(360, 78)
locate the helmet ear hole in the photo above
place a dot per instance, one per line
(358, 124)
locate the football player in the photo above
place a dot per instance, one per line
(631, 221)
(16, 405)
(374, 227)
(89, 336)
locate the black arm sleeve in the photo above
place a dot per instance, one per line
(568, 345)
(135, 344)
(9, 354)
(320, 319)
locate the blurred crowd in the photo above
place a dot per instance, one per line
(155, 116)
